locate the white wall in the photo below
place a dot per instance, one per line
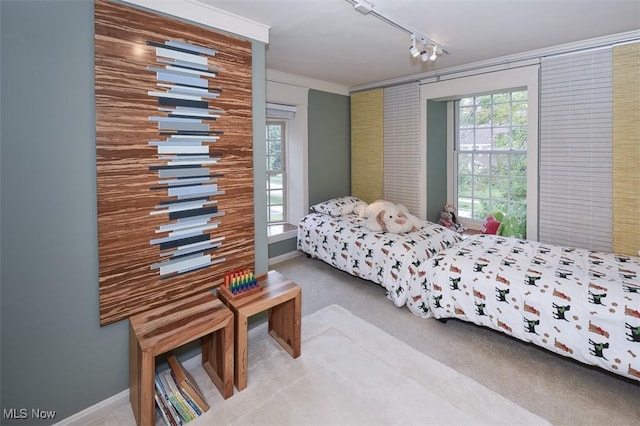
(296, 146)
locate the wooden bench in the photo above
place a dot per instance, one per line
(160, 330)
(283, 299)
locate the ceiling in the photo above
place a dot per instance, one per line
(329, 40)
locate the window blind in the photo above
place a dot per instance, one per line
(576, 103)
(367, 140)
(402, 145)
(280, 111)
(626, 148)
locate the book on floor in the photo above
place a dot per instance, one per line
(187, 384)
(168, 411)
(176, 398)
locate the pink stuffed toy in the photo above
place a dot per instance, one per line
(490, 226)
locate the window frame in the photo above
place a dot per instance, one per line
(289, 92)
(492, 127)
(282, 171)
(446, 88)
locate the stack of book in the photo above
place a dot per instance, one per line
(178, 397)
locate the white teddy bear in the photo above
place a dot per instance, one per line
(386, 216)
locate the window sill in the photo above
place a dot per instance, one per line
(281, 232)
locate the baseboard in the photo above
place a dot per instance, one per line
(96, 411)
(104, 407)
(283, 257)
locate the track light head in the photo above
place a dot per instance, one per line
(430, 52)
(417, 46)
(437, 51)
(414, 49)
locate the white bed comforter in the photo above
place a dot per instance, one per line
(575, 302)
(392, 260)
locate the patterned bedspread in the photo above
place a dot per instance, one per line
(578, 303)
(391, 260)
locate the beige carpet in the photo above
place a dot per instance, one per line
(349, 373)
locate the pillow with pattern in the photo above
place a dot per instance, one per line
(339, 206)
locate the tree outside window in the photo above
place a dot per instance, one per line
(491, 155)
(276, 174)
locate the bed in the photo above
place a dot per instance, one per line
(337, 236)
(578, 303)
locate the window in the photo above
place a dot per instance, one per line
(276, 173)
(490, 155)
(450, 89)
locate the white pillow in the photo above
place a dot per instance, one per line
(339, 206)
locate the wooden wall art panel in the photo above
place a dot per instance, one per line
(174, 158)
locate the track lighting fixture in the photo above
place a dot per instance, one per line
(421, 46)
(426, 50)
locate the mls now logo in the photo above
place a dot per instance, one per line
(15, 413)
(23, 413)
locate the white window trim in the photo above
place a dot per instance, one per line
(455, 88)
(285, 186)
(296, 141)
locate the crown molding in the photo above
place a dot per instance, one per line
(205, 14)
(310, 83)
(510, 61)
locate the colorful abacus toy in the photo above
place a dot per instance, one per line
(239, 283)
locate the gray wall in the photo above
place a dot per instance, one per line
(436, 159)
(54, 354)
(329, 144)
(282, 247)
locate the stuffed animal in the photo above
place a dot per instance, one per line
(452, 223)
(386, 216)
(490, 225)
(445, 219)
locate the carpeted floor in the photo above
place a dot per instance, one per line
(555, 388)
(350, 373)
(489, 364)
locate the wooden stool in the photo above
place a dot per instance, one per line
(168, 327)
(283, 298)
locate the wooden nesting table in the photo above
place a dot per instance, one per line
(283, 298)
(159, 330)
